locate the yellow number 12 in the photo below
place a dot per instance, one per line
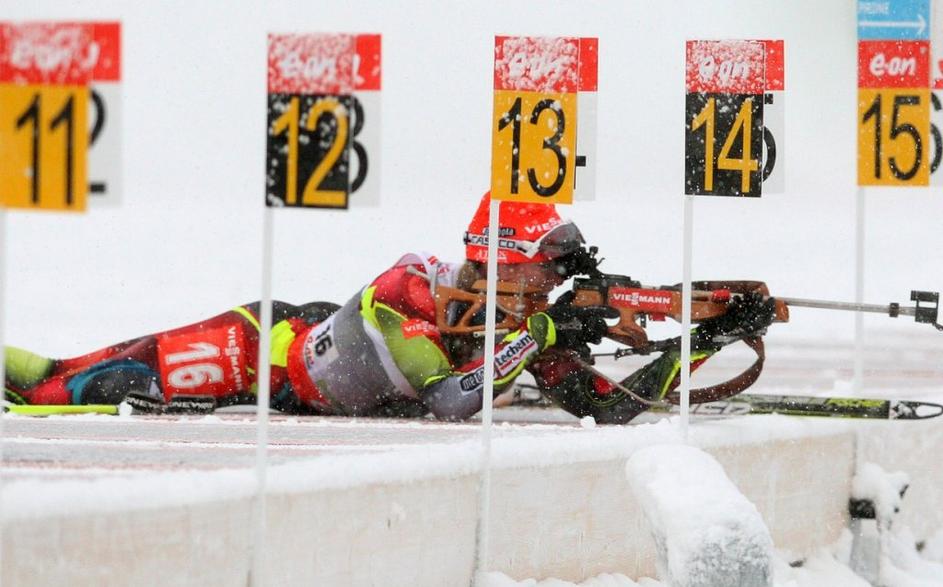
(289, 121)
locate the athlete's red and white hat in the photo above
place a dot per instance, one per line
(530, 233)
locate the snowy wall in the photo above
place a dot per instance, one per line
(913, 449)
(561, 507)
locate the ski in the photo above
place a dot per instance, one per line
(829, 407)
(789, 405)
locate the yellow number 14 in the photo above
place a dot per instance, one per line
(743, 124)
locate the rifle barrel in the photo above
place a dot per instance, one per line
(889, 309)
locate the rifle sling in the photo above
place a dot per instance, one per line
(732, 386)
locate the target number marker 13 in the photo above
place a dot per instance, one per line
(537, 81)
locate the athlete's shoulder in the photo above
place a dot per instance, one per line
(408, 285)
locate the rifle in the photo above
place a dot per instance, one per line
(461, 312)
(637, 304)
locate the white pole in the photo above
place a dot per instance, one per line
(3, 287)
(484, 488)
(686, 314)
(858, 381)
(262, 404)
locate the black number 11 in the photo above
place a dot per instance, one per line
(32, 115)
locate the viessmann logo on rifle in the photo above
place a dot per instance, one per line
(644, 299)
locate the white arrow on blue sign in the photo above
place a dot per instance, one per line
(894, 19)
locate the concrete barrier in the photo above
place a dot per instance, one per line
(561, 507)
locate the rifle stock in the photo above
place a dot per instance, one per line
(637, 303)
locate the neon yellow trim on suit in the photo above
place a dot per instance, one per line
(551, 332)
(25, 369)
(676, 368)
(418, 358)
(248, 316)
(281, 338)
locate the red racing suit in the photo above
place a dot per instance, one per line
(379, 354)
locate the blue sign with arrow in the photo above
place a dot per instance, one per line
(893, 20)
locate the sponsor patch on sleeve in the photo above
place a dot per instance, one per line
(418, 327)
(514, 353)
(473, 381)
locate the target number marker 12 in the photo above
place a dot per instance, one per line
(322, 148)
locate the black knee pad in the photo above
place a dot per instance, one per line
(110, 382)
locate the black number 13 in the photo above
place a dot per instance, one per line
(513, 118)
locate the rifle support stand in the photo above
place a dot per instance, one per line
(870, 529)
(928, 313)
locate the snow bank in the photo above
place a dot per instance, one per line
(706, 532)
(883, 489)
(617, 580)
(820, 569)
(562, 508)
(523, 446)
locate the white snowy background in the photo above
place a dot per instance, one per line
(186, 241)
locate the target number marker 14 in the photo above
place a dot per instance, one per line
(728, 149)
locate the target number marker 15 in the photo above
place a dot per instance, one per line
(894, 107)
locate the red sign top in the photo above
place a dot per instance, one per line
(725, 67)
(537, 64)
(368, 63)
(107, 48)
(323, 63)
(589, 64)
(47, 53)
(893, 64)
(775, 65)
